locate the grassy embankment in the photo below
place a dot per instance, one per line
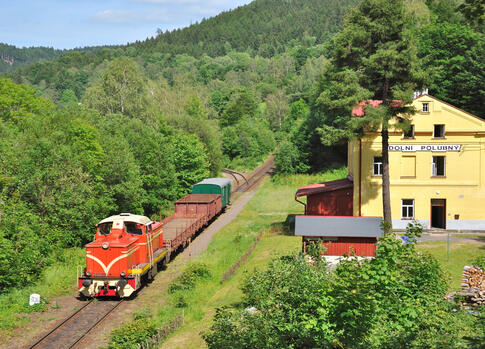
(461, 254)
(266, 212)
(56, 280)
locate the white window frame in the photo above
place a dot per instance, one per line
(425, 108)
(434, 169)
(379, 166)
(407, 207)
(434, 131)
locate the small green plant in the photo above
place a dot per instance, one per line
(314, 250)
(187, 280)
(181, 302)
(237, 238)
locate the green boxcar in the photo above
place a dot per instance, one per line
(221, 186)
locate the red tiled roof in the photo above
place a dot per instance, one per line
(324, 187)
(360, 111)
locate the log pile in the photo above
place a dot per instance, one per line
(472, 286)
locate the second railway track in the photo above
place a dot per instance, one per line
(70, 331)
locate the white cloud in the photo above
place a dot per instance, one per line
(125, 16)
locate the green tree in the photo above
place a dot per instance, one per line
(375, 46)
(242, 104)
(191, 164)
(18, 101)
(68, 97)
(454, 55)
(120, 89)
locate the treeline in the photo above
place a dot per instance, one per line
(263, 27)
(12, 57)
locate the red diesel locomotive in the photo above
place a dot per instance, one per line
(126, 248)
(130, 248)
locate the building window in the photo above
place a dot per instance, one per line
(377, 166)
(438, 168)
(425, 108)
(439, 131)
(407, 208)
(409, 133)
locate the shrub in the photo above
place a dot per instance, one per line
(129, 334)
(187, 280)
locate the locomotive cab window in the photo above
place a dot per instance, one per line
(133, 228)
(105, 228)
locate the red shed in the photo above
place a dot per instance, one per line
(340, 235)
(334, 198)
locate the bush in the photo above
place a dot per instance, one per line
(128, 335)
(187, 280)
(392, 301)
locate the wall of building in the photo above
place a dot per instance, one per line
(462, 186)
(332, 203)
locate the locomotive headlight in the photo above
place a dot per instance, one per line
(88, 274)
(123, 274)
(105, 245)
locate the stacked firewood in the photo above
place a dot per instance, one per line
(473, 285)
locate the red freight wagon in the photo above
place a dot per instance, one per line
(206, 204)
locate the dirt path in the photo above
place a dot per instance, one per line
(202, 241)
(478, 239)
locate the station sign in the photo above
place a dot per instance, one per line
(425, 147)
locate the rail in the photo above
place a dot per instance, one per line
(75, 327)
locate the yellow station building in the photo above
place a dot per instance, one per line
(437, 169)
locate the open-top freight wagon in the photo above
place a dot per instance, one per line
(128, 248)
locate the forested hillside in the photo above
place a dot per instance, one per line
(264, 27)
(12, 57)
(130, 128)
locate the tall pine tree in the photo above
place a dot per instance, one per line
(375, 47)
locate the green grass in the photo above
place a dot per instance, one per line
(56, 280)
(266, 212)
(461, 254)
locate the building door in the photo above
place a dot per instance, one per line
(438, 213)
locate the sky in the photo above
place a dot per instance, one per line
(77, 23)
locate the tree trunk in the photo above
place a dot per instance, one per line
(386, 193)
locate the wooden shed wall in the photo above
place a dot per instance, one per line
(331, 203)
(347, 245)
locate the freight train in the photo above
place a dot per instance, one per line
(129, 249)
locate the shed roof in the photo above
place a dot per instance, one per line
(324, 187)
(221, 182)
(322, 226)
(127, 217)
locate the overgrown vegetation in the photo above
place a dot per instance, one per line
(392, 301)
(55, 280)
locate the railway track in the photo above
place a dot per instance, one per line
(70, 331)
(256, 177)
(73, 329)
